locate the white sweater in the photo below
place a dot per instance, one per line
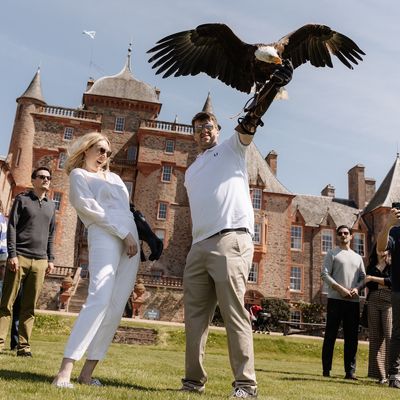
(101, 202)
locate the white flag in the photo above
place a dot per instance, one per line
(91, 34)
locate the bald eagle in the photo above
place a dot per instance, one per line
(215, 50)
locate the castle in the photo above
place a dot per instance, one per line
(292, 232)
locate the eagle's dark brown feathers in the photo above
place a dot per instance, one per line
(215, 50)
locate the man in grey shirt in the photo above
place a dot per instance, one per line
(343, 272)
(30, 237)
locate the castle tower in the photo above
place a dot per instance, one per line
(20, 153)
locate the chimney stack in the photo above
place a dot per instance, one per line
(272, 161)
(369, 189)
(328, 190)
(357, 186)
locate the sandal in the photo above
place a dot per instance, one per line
(63, 385)
(93, 382)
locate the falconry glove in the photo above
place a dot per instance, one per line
(147, 235)
(283, 74)
(264, 98)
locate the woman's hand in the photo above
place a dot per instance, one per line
(131, 245)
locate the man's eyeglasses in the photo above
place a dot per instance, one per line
(199, 128)
(343, 233)
(102, 150)
(43, 177)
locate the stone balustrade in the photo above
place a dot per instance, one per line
(70, 113)
(165, 281)
(60, 271)
(166, 126)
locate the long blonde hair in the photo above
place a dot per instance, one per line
(76, 151)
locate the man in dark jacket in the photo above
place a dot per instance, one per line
(30, 256)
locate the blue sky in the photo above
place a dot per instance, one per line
(333, 120)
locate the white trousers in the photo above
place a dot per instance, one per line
(112, 277)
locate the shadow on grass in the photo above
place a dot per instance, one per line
(8, 374)
(303, 376)
(13, 375)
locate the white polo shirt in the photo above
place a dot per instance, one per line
(218, 190)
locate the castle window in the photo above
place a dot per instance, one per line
(326, 240)
(119, 124)
(84, 270)
(57, 197)
(18, 158)
(61, 160)
(68, 133)
(253, 274)
(295, 279)
(257, 234)
(166, 173)
(296, 233)
(131, 153)
(169, 146)
(256, 198)
(162, 211)
(359, 244)
(295, 316)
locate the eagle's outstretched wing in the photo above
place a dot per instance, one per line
(316, 43)
(210, 48)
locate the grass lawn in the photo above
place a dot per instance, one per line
(287, 368)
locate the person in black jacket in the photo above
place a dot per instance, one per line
(379, 283)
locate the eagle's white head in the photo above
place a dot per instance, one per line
(268, 54)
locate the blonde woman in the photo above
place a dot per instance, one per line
(101, 201)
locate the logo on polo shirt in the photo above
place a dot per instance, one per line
(216, 154)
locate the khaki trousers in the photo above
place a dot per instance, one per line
(216, 271)
(31, 273)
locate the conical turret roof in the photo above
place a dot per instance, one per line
(34, 90)
(389, 190)
(208, 105)
(124, 86)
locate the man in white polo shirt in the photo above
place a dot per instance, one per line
(219, 261)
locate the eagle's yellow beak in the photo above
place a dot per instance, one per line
(276, 60)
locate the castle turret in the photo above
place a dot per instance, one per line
(208, 105)
(20, 153)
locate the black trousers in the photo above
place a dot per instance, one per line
(348, 313)
(394, 354)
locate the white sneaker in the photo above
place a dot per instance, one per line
(242, 393)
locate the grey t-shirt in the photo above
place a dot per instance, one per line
(344, 267)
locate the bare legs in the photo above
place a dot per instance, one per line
(67, 364)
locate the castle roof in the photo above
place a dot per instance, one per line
(124, 86)
(315, 209)
(208, 105)
(258, 169)
(389, 190)
(34, 90)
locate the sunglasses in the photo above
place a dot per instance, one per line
(102, 150)
(199, 128)
(343, 233)
(43, 177)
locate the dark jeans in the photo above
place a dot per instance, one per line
(348, 313)
(394, 354)
(15, 320)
